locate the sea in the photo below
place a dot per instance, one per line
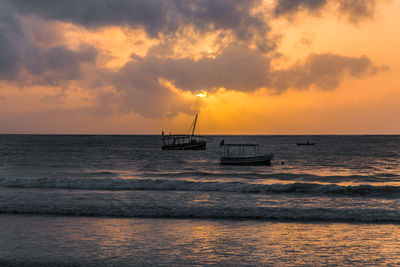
(119, 200)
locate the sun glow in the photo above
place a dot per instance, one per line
(202, 94)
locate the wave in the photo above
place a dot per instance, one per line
(179, 185)
(210, 212)
(279, 176)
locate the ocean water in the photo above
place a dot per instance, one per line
(121, 200)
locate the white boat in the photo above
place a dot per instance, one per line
(238, 154)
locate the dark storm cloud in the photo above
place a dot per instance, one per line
(8, 57)
(354, 10)
(48, 66)
(155, 16)
(283, 7)
(9, 27)
(57, 64)
(95, 13)
(20, 54)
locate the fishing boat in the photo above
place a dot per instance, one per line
(184, 141)
(244, 154)
(306, 144)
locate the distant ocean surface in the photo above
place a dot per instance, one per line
(79, 199)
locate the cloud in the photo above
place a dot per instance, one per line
(21, 55)
(324, 71)
(36, 54)
(8, 56)
(57, 64)
(155, 16)
(284, 7)
(357, 10)
(96, 13)
(353, 10)
(140, 80)
(34, 48)
(235, 68)
(8, 53)
(140, 88)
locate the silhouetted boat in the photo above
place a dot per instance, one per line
(241, 157)
(184, 141)
(306, 144)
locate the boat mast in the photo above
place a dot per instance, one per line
(194, 124)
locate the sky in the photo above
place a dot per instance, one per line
(246, 67)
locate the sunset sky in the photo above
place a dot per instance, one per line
(247, 67)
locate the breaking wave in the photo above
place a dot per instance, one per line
(278, 176)
(179, 185)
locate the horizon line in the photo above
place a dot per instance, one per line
(219, 134)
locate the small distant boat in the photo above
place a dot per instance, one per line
(306, 144)
(184, 141)
(237, 154)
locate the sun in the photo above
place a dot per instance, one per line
(202, 94)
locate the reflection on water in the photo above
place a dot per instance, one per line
(79, 240)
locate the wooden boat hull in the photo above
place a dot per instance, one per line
(188, 146)
(258, 160)
(305, 144)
